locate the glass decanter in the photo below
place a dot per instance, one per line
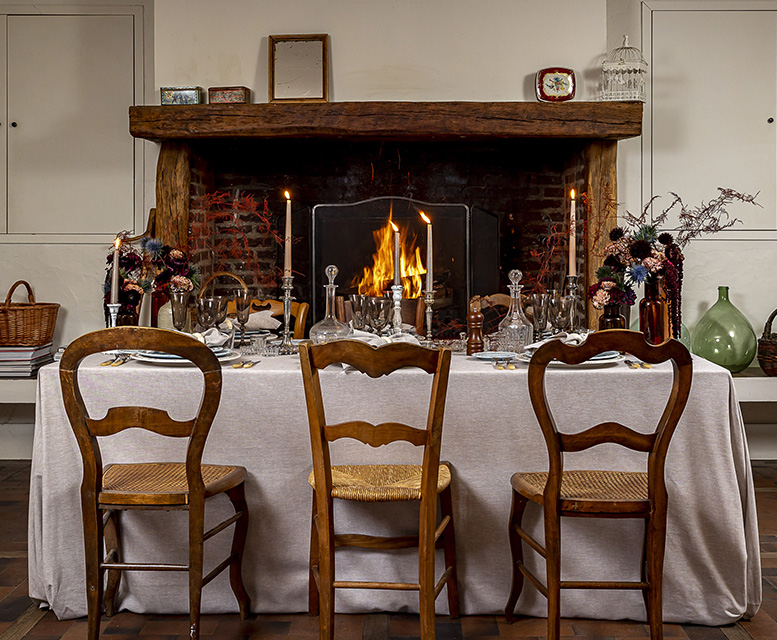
(330, 328)
(515, 331)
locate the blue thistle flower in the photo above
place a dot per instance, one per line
(639, 273)
(152, 245)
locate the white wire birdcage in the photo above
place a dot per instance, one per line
(623, 74)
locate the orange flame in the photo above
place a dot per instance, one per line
(426, 219)
(374, 281)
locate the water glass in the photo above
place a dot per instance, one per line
(380, 312)
(359, 310)
(559, 310)
(207, 312)
(539, 314)
(179, 302)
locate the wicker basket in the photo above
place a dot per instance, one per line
(767, 348)
(27, 324)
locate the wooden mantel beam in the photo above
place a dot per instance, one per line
(390, 120)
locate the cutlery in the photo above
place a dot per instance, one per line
(244, 364)
(120, 360)
(638, 365)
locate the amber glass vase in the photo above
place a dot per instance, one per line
(652, 313)
(612, 318)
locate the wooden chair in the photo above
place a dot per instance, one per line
(599, 494)
(379, 483)
(105, 492)
(412, 312)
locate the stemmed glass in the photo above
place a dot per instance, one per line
(381, 308)
(243, 299)
(539, 314)
(221, 314)
(207, 312)
(559, 310)
(179, 300)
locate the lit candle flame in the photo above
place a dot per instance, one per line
(288, 195)
(117, 244)
(572, 193)
(426, 219)
(393, 226)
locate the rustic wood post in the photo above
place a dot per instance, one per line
(173, 183)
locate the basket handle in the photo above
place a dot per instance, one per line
(768, 325)
(30, 295)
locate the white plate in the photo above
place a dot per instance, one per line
(161, 355)
(596, 361)
(495, 355)
(228, 357)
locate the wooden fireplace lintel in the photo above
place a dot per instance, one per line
(390, 120)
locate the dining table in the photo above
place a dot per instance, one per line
(712, 562)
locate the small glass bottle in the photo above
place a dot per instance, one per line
(330, 328)
(652, 313)
(515, 331)
(612, 318)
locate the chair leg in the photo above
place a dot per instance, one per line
(655, 542)
(553, 571)
(426, 581)
(516, 548)
(312, 586)
(93, 548)
(112, 541)
(326, 577)
(238, 499)
(449, 550)
(196, 522)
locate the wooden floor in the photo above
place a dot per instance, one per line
(19, 618)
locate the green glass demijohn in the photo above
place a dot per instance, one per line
(724, 336)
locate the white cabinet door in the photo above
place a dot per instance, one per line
(70, 162)
(713, 92)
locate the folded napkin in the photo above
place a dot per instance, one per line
(262, 320)
(566, 338)
(213, 337)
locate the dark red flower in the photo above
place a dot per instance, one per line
(640, 249)
(616, 234)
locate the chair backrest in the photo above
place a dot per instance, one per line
(375, 362)
(212, 281)
(119, 418)
(631, 342)
(299, 310)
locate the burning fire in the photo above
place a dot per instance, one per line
(380, 277)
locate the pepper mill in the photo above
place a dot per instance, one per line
(474, 327)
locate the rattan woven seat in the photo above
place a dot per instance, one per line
(589, 490)
(424, 483)
(381, 482)
(162, 482)
(596, 493)
(150, 486)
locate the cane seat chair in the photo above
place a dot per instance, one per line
(106, 491)
(382, 482)
(596, 493)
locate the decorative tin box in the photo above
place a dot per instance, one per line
(229, 95)
(181, 95)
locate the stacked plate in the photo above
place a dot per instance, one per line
(603, 358)
(224, 354)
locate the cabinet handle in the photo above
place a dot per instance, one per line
(770, 120)
(13, 124)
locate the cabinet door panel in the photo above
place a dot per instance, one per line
(70, 156)
(714, 88)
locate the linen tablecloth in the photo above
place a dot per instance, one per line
(712, 569)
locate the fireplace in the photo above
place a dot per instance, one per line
(509, 164)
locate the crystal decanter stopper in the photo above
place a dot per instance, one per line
(515, 330)
(330, 328)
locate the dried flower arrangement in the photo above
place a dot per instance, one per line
(638, 253)
(133, 282)
(173, 271)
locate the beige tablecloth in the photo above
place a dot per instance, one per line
(712, 570)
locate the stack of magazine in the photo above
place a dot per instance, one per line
(21, 362)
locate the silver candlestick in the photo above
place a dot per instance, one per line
(572, 286)
(397, 297)
(286, 347)
(113, 309)
(429, 301)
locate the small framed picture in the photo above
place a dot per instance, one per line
(299, 68)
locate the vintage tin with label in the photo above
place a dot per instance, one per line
(181, 95)
(229, 95)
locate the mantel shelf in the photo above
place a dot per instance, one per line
(390, 120)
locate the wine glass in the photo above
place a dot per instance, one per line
(179, 300)
(559, 310)
(381, 308)
(243, 299)
(207, 312)
(221, 314)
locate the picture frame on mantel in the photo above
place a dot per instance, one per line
(299, 68)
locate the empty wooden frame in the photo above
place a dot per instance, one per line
(299, 68)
